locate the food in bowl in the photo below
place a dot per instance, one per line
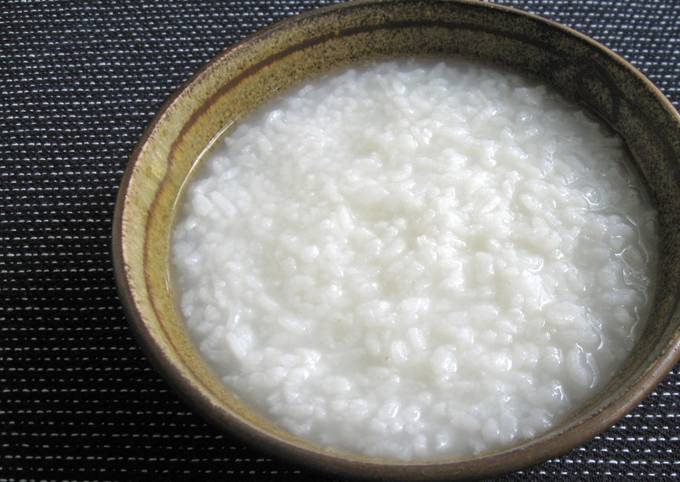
(416, 259)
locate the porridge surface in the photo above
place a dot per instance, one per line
(415, 259)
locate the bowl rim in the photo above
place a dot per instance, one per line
(485, 465)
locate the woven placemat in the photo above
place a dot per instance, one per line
(79, 81)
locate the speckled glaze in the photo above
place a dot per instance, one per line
(243, 77)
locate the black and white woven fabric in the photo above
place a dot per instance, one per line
(79, 81)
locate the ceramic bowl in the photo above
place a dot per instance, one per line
(254, 71)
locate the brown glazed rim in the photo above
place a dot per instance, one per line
(529, 453)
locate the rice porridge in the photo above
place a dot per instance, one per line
(416, 260)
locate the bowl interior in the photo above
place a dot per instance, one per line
(245, 77)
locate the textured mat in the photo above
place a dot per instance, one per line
(79, 81)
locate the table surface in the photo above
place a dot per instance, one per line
(78, 84)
